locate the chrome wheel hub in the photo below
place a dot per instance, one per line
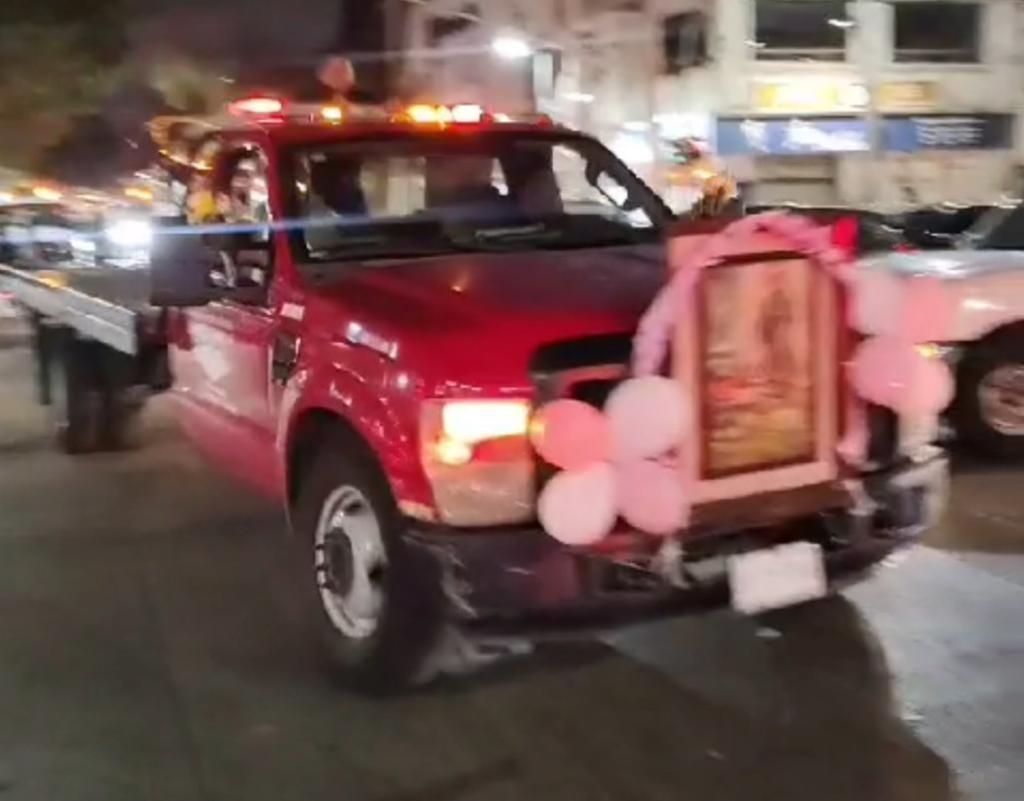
(1001, 399)
(350, 562)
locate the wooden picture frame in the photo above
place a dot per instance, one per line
(766, 416)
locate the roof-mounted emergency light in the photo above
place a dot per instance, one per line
(428, 114)
(333, 114)
(257, 106)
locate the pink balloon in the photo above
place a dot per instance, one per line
(928, 308)
(932, 390)
(651, 497)
(570, 434)
(918, 308)
(880, 369)
(647, 417)
(893, 373)
(578, 507)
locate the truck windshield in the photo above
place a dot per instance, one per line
(493, 191)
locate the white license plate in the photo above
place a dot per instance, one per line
(776, 577)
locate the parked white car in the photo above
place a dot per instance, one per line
(984, 340)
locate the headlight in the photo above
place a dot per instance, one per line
(130, 233)
(478, 460)
(473, 422)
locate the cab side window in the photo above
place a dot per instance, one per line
(242, 191)
(199, 204)
(240, 188)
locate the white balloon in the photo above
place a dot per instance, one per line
(648, 417)
(578, 507)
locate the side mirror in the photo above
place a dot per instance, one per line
(180, 269)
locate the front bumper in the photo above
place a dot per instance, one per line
(521, 582)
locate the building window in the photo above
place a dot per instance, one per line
(684, 41)
(800, 30)
(547, 64)
(936, 31)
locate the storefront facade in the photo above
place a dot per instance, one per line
(812, 101)
(886, 160)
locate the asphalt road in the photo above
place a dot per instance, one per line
(149, 649)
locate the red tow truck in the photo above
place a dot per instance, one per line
(362, 330)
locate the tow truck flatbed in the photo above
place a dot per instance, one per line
(107, 305)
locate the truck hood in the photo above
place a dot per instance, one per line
(949, 264)
(484, 315)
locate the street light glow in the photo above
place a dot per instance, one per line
(511, 47)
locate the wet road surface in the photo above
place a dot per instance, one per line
(150, 649)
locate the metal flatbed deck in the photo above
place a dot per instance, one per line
(104, 304)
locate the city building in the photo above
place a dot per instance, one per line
(866, 102)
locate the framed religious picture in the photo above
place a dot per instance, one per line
(758, 349)
(759, 356)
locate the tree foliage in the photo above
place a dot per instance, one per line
(57, 59)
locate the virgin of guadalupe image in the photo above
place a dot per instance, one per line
(776, 320)
(758, 358)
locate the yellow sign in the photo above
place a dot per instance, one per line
(908, 96)
(805, 95)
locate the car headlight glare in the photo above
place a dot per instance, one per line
(130, 233)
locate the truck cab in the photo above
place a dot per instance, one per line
(367, 309)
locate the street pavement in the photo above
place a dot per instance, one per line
(150, 649)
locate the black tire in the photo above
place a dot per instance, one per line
(42, 339)
(394, 655)
(119, 419)
(973, 423)
(121, 400)
(74, 399)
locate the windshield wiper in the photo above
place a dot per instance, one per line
(503, 239)
(511, 232)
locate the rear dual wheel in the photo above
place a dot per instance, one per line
(73, 403)
(90, 405)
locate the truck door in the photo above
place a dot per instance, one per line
(223, 373)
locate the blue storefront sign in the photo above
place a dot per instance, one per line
(960, 132)
(798, 136)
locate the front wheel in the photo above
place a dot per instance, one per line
(989, 409)
(377, 601)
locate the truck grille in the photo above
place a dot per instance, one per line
(589, 369)
(585, 369)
